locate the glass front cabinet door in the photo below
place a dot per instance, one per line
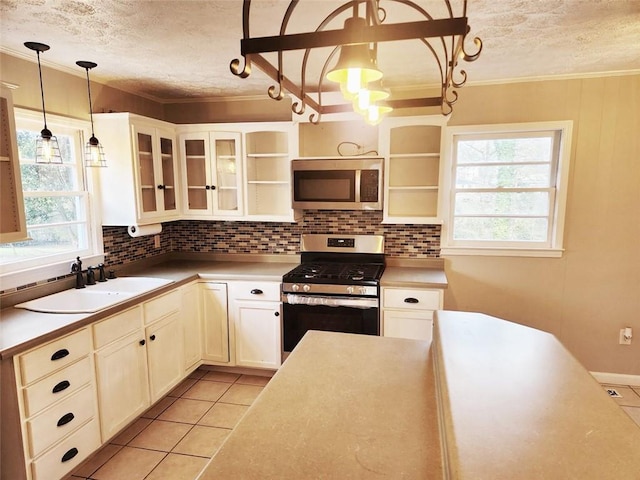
(212, 174)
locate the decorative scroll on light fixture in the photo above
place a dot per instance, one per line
(47, 149)
(357, 43)
(93, 151)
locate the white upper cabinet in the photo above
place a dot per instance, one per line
(13, 227)
(411, 148)
(140, 183)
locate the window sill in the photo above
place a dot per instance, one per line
(502, 252)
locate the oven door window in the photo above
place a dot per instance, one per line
(324, 185)
(298, 319)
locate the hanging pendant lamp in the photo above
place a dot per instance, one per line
(93, 151)
(47, 149)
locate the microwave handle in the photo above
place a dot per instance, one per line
(358, 172)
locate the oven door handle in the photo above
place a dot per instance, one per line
(319, 300)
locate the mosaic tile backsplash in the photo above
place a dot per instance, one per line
(415, 241)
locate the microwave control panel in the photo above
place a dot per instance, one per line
(369, 182)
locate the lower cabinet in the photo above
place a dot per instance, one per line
(191, 325)
(164, 355)
(215, 326)
(408, 312)
(255, 314)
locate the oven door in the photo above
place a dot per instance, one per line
(334, 314)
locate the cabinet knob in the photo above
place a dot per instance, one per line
(142, 342)
(152, 338)
(411, 300)
(207, 187)
(256, 291)
(277, 314)
(213, 187)
(161, 187)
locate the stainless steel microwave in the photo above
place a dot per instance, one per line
(337, 183)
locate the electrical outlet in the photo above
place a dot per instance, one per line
(156, 241)
(625, 336)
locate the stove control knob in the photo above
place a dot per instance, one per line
(295, 287)
(350, 290)
(306, 288)
(362, 290)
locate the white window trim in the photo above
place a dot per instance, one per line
(446, 192)
(95, 254)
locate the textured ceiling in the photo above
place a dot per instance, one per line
(181, 49)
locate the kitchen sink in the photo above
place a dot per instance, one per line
(95, 297)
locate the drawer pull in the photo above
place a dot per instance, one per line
(63, 385)
(256, 291)
(69, 455)
(59, 354)
(66, 419)
(411, 300)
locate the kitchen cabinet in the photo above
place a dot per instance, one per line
(138, 360)
(13, 226)
(140, 183)
(212, 171)
(57, 407)
(256, 319)
(191, 325)
(215, 326)
(238, 171)
(408, 312)
(411, 148)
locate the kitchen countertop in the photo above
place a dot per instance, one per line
(517, 404)
(341, 406)
(23, 329)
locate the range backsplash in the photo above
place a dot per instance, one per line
(414, 241)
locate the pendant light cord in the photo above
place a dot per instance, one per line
(90, 107)
(44, 114)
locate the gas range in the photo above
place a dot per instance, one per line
(337, 265)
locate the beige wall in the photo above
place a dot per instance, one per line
(586, 296)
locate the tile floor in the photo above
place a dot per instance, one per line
(176, 438)
(628, 399)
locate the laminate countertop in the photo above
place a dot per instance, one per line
(341, 406)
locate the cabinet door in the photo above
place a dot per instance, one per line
(145, 147)
(215, 330)
(167, 166)
(190, 315)
(123, 387)
(416, 325)
(227, 173)
(196, 175)
(257, 333)
(164, 354)
(13, 225)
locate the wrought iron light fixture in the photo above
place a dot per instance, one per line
(93, 151)
(357, 66)
(47, 149)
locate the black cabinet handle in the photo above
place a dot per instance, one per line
(65, 419)
(161, 187)
(277, 314)
(411, 300)
(207, 187)
(213, 187)
(142, 342)
(256, 291)
(69, 455)
(152, 338)
(59, 354)
(63, 385)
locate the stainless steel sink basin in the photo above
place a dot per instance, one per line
(95, 297)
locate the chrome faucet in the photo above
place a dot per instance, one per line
(76, 267)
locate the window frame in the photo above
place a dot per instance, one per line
(554, 246)
(54, 266)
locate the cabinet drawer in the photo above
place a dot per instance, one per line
(117, 326)
(161, 306)
(57, 422)
(57, 386)
(412, 299)
(68, 454)
(54, 355)
(416, 325)
(265, 291)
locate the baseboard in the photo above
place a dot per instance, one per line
(617, 378)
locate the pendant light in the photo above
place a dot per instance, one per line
(93, 151)
(47, 149)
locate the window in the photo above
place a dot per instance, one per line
(56, 202)
(507, 187)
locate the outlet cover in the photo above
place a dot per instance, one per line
(623, 340)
